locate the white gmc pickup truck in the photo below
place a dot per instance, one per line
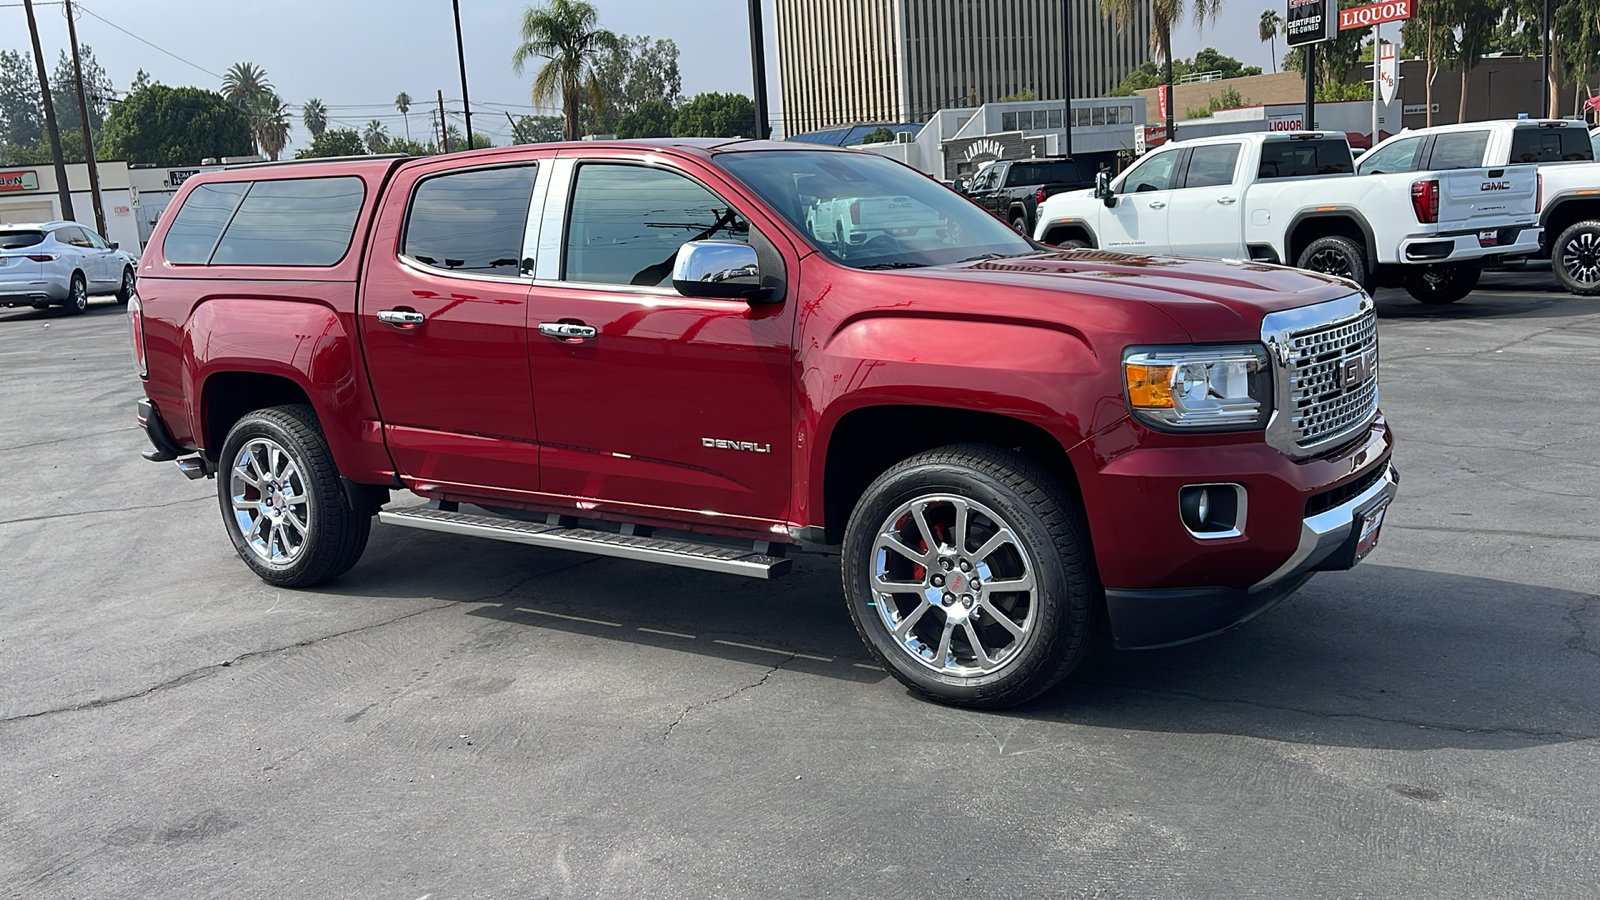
(1569, 180)
(1295, 198)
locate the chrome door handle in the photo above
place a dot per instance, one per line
(1157, 204)
(404, 317)
(568, 331)
(1226, 200)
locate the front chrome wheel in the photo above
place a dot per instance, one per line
(271, 505)
(953, 585)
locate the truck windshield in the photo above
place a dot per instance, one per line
(868, 212)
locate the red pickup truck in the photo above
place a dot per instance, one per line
(638, 349)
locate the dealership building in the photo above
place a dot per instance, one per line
(29, 194)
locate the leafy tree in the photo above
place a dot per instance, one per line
(1475, 24)
(716, 115)
(480, 140)
(631, 74)
(1268, 29)
(21, 110)
(1428, 31)
(315, 116)
(402, 102)
(544, 129)
(1228, 99)
(1019, 96)
(1337, 56)
(1149, 75)
(269, 122)
(1163, 15)
(567, 34)
(410, 147)
(141, 80)
(1574, 48)
(166, 126)
(245, 83)
(334, 142)
(651, 119)
(375, 136)
(64, 91)
(882, 135)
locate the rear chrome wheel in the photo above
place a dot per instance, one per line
(271, 506)
(77, 295)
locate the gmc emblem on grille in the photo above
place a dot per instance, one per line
(1355, 370)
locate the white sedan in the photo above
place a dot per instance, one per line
(61, 263)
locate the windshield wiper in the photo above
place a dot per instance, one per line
(984, 256)
(896, 265)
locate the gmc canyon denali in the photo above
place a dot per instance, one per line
(639, 350)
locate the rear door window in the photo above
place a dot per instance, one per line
(1299, 158)
(293, 222)
(198, 225)
(1543, 145)
(1212, 166)
(1458, 150)
(1399, 156)
(470, 221)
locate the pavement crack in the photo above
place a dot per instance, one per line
(208, 671)
(1452, 727)
(75, 437)
(1501, 532)
(1580, 641)
(729, 696)
(101, 512)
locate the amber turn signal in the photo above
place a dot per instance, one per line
(1149, 387)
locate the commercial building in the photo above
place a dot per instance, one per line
(848, 61)
(29, 194)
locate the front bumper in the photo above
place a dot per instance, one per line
(1148, 619)
(1464, 246)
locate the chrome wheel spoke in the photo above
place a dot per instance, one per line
(958, 532)
(241, 503)
(885, 586)
(977, 645)
(902, 630)
(992, 544)
(1002, 585)
(891, 541)
(942, 655)
(919, 513)
(996, 614)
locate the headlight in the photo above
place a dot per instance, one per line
(1185, 388)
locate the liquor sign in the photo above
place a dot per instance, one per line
(1387, 82)
(1308, 22)
(1287, 122)
(1375, 14)
(25, 180)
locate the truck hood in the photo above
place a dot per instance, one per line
(1213, 300)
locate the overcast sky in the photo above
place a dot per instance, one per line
(356, 56)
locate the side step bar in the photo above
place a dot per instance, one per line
(671, 552)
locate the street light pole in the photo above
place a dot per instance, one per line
(62, 189)
(83, 118)
(1066, 63)
(461, 59)
(758, 70)
(1544, 94)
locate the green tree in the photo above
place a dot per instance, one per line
(1428, 34)
(1335, 57)
(245, 83)
(402, 102)
(480, 140)
(375, 136)
(410, 147)
(1474, 23)
(166, 126)
(269, 122)
(21, 109)
(635, 72)
(1019, 96)
(1163, 15)
(716, 115)
(881, 135)
(334, 142)
(141, 80)
(1268, 29)
(544, 129)
(315, 116)
(64, 91)
(1148, 75)
(567, 35)
(651, 119)
(1575, 44)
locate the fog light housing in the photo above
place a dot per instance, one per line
(1212, 511)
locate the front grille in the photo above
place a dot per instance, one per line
(1344, 493)
(1322, 407)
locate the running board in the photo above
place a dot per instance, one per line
(687, 554)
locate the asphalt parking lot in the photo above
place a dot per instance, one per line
(466, 719)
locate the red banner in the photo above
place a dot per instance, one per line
(1376, 14)
(1161, 102)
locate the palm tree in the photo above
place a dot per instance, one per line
(269, 124)
(566, 34)
(245, 83)
(1270, 27)
(1163, 14)
(315, 115)
(402, 102)
(375, 136)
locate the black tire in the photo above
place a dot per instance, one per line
(126, 288)
(1440, 285)
(1074, 244)
(1575, 258)
(1336, 255)
(335, 534)
(77, 301)
(1019, 222)
(1048, 524)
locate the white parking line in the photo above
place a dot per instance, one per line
(775, 650)
(556, 615)
(667, 633)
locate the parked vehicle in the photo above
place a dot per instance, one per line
(1294, 198)
(61, 263)
(1007, 447)
(1569, 180)
(854, 220)
(1013, 189)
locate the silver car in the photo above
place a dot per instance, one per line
(61, 263)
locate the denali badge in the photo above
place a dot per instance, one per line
(715, 444)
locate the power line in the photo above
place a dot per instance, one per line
(85, 9)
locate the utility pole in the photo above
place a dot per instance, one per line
(83, 116)
(1066, 63)
(1310, 124)
(461, 60)
(1545, 83)
(62, 189)
(758, 70)
(444, 127)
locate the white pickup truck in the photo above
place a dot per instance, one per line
(1569, 196)
(1295, 198)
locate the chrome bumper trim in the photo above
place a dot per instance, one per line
(1324, 533)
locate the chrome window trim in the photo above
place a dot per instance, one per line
(1277, 329)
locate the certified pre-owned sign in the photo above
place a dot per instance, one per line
(1307, 22)
(1376, 14)
(27, 180)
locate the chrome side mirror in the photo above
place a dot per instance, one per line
(725, 270)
